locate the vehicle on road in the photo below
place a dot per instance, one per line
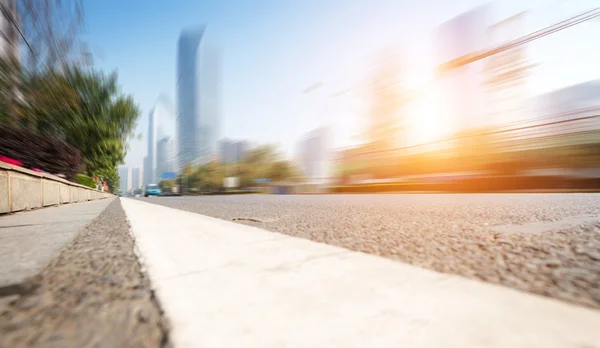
(152, 190)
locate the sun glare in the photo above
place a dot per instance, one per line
(426, 117)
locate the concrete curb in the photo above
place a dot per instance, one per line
(23, 189)
(29, 240)
(223, 284)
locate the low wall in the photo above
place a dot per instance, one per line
(22, 189)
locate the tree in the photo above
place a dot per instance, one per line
(111, 176)
(51, 29)
(281, 170)
(183, 180)
(48, 30)
(166, 184)
(84, 108)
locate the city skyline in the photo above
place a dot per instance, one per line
(262, 82)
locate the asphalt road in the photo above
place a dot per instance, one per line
(547, 244)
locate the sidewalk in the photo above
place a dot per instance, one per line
(30, 239)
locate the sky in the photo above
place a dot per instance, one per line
(272, 50)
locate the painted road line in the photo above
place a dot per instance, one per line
(223, 284)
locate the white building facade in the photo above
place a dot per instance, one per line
(136, 178)
(315, 155)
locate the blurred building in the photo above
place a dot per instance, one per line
(231, 151)
(314, 155)
(136, 178)
(150, 161)
(145, 169)
(506, 73)
(463, 88)
(197, 94)
(567, 100)
(569, 110)
(124, 182)
(164, 157)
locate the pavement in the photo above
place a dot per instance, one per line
(548, 244)
(93, 293)
(223, 284)
(30, 239)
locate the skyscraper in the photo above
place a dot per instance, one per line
(315, 155)
(124, 179)
(164, 156)
(136, 179)
(150, 161)
(231, 151)
(197, 114)
(146, 180)
(463, 89)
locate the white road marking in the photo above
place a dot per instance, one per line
(546, 226)
(223, 284)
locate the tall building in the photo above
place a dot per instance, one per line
(146, 180)
(124, 179)
(572, 106)
(164, 157)
(463, 88)
(315, 155)
(136, 178)
(150, 160)
(231, 151)
(197, 99)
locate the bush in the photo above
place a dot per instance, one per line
(40, 152)
(85, 180)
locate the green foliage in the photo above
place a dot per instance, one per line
(138, 191)
(166, 184)
(264, 162)
(85, 108)
(261, 162)
(111, 176)
(280, 170)
(85, 180)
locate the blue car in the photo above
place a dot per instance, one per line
(152, 190)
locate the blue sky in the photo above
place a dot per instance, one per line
(273, 49)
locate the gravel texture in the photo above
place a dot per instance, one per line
(547, 244)
(92, 294)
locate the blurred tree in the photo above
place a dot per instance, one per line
(51, 29)
(281, 170)
(48, 30)
(166, 184)
(84, 108)
(183, 180)
(57, 94)
(261, 155)
(261, 162)
(111, 177)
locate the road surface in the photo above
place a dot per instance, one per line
(547, 244)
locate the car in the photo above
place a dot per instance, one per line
(152, 190)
